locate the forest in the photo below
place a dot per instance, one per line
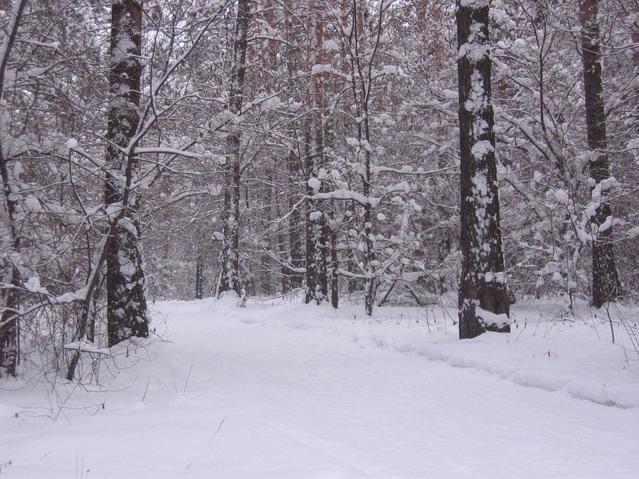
(465, 166)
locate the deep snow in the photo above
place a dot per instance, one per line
(291, 391)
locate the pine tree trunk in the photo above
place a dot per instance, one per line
(482, 291)
(126, 298)
(605, 281)
(230, 280)
(316, 230)
(316, 234)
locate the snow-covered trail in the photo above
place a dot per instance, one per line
(283, 392)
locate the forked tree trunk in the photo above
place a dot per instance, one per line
(605, 281)
(483, 299)
(230, 279)
(126, 296)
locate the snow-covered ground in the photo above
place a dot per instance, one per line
(302, 392)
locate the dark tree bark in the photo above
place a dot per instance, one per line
(370, 287)
(9, 343)
(316, 229)
(126, 298)
(334, 270)
(199, 278)
(86, 325)
(482, 292)
(605, 281)
(295, 234)
(361, 86)
(11, 275)
(230, 280)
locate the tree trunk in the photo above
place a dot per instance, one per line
(294, 179)
(199, 278)
(230, 280)
(362, 100)
(482, 291)
(9, 344)
(316, 229)
(296, 256)
(334, 269)
(316, 234)
(126, 299)
(605, 281)
(370, 289)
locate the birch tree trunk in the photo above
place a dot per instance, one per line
(483, 299)
(126, 296)
(605, 281)
(230, 279)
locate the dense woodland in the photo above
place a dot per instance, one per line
(324, 149)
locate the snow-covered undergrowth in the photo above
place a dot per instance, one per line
(293, 391)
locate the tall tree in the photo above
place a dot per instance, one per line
(361, 81)
(11, 273)
(316, 229)
(230, 280)
(483, 299)
(126, 300)
(293, 57)
(605, 281)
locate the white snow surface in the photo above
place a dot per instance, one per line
(275, 391)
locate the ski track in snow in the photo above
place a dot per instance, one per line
(290, 391)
